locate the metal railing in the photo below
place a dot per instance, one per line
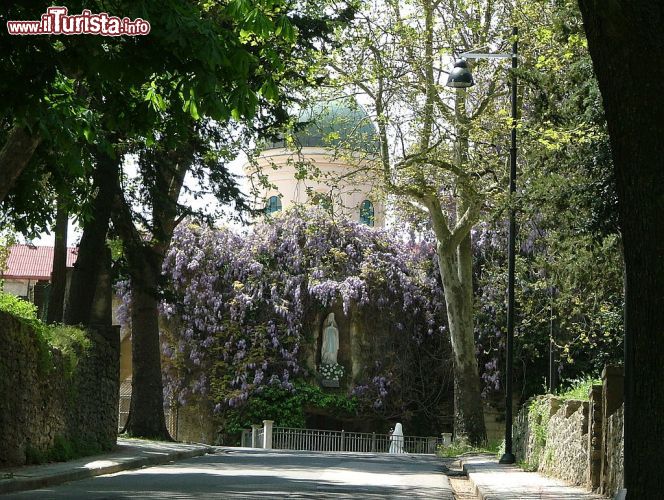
(288, 438)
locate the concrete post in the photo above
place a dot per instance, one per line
(267, 434)
(254, 435)
(447, 438)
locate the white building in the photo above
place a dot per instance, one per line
(327, 164)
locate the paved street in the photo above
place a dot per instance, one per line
(243, 473)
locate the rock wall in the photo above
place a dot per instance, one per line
(529, 430)
(576, 441)
(566, 451)
(613, 477)
(550, 435)
(47, 407)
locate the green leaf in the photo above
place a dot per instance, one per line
(193, 110)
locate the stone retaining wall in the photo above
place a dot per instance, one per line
(613, 477)
(44, 406)
(578, 441)
(551, 436)
(566, 450)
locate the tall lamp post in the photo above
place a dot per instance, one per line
(460, 77)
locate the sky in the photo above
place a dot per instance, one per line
(207, 203)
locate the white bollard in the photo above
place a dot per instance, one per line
(267, 434)
(447, 438)
(254, 435)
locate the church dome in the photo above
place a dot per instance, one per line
(341, 122)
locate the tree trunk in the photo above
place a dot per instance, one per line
(101, 311)
(626, 44)
(146, 413)
(455, 269)
(85, 277)
(14, 156)
(145, 259)
(59, 274)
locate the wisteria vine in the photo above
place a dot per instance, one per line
(236, 305)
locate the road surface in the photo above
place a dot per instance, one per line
(246, 473)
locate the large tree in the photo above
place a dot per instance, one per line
(626, 44)
(437, 149)
(274, 47)
(219, 60)
(145, 219)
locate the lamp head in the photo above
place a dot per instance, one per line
(460, 77)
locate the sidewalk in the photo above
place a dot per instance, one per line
(130, 454)
(494, 481)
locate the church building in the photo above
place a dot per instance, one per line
(327, 162)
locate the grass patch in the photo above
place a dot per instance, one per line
(527, 466)
(72, 342)
(578, 388)
(63, 449)
(69, 340)
(461, 447)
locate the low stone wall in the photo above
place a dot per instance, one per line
(613, 477)
(551, 436)
(578, 441)
(566, 452)
(46, 407)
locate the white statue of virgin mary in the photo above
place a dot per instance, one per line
(330, 347)
(396, 440)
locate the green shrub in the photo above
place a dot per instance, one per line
(538, 423)
(578, 388)
(285, 408)
(62, 450)
(69, 340)
(19, 308)
(34, 456)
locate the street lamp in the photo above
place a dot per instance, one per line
(460, 77)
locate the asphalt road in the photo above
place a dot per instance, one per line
(244, 473)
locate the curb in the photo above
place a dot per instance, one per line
(477, 491)
(34, 483)
(553, 487)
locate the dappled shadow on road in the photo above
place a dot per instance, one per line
(183, 486)
(268, 475)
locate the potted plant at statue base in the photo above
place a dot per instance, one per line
(330, 374)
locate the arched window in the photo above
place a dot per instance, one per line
(273, 205)
(367, 213)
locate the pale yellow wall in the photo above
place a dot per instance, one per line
(17, 287)
(347, 192)
(125, 358)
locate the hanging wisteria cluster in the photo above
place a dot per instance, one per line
(236, 305)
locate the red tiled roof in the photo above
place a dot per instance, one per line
(33, 262)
